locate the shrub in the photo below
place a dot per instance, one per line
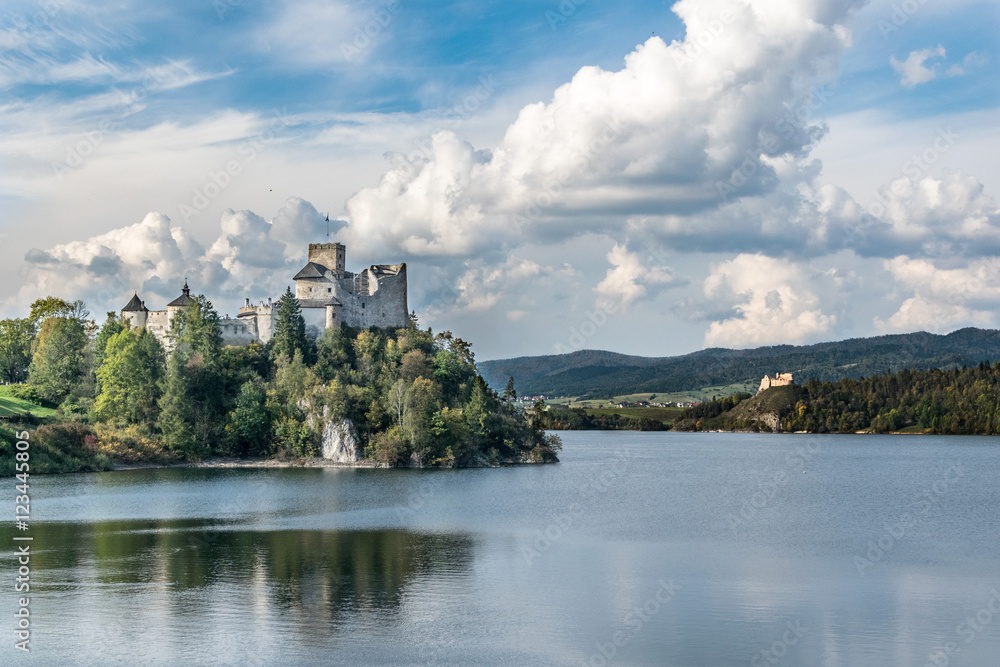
(25, 392)
(130, 444)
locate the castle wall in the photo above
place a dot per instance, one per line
(158, 324)
(779, 380)
(383, 305)
(136, 318)
(237, 332)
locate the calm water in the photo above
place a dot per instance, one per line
(638, 549)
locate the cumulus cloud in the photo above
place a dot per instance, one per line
(950, 215)
(626, 281)
(771, 300)
(482, 285)
(944, 298)
(913, 70)
(656, 137)
(251, 257)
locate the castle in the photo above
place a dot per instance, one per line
(327, 293)
(779, 380)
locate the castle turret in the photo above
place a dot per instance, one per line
(135, 312)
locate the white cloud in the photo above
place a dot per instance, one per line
(950, 215)
(631, 273)
(658, 135)
(772, 301)
(943, 299)
(154, 257)
(971, 61)
(912, 71)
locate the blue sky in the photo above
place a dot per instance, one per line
(585, 162)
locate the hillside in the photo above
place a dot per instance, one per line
(599, 373)
(963, 401)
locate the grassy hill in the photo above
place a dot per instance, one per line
(601, 374)
(10, 405)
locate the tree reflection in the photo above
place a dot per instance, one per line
(312, 578)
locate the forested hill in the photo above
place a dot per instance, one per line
(598, 374)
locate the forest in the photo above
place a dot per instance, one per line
(962, 401)
(413, 397)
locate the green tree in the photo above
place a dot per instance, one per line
(333, 353)
(15, 349)
(509, 393)
(130, 379)
(290, 329)
(249, 428)
(177, 411)
(112, 326)
(192, 407)
(59, 362)
(50, 306)
(195, 330)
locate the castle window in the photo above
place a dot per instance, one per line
(329, 290)
(362, 305)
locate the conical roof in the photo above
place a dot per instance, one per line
(134, 305)
(184, 299)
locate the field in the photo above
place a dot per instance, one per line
(692, 396)
(665, 415)
(15, 406)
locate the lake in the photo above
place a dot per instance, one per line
(638, 549)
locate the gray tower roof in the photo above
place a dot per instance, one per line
(184, 299)
(134, 305)
(311, 270)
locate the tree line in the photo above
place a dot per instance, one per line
(410, 394)
(961, 401)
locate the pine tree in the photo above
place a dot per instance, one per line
(191, 406)
(290, 329)
(177, 409)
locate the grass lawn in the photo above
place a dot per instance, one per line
(15, 406)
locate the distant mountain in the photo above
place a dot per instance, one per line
(596, 373)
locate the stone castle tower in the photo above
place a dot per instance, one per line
(327, 292)
(779, 380)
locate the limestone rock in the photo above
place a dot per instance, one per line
(340, 442)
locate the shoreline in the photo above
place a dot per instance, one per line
(223, 463)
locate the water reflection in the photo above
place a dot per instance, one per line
(309, 579)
